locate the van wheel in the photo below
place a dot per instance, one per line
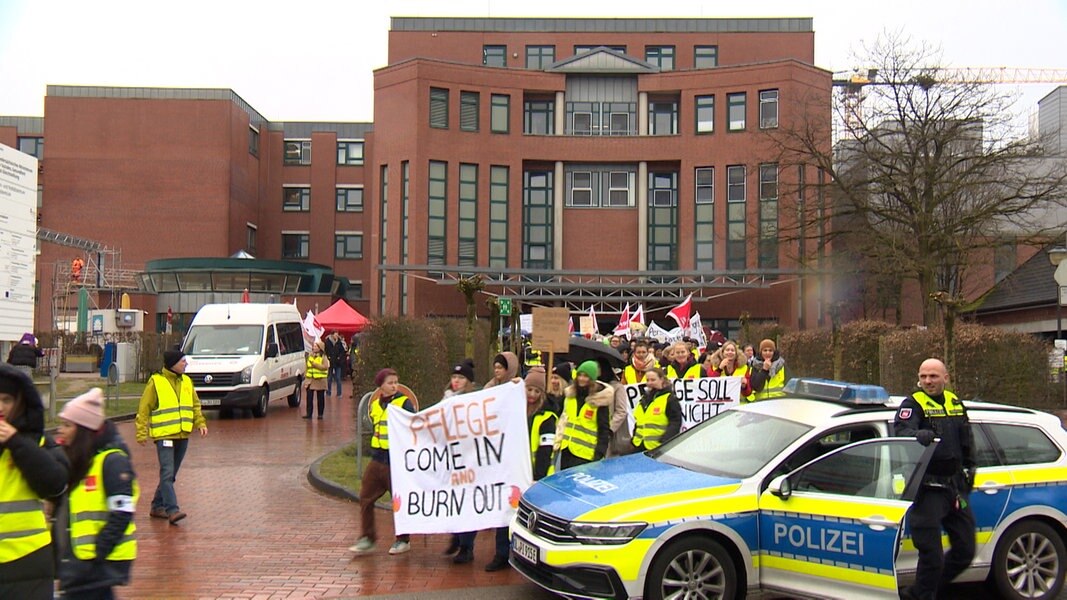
(260, 409)
(294, 398)
(692, 567)
(1029, 562)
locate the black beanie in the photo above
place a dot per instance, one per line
(465, 368)
(563, 369)
(171, 358)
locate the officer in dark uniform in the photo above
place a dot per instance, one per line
(943, 499)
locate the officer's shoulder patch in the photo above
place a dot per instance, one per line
(904, 414)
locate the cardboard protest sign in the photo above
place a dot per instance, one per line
(701, 399)
(462, 464)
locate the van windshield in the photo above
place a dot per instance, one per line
(206, 340)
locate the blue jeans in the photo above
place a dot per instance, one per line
(170, 460)
(335, 374)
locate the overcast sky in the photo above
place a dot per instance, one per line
(313, 60)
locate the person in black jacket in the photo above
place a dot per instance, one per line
(32, 468)
(337, 352)
(943, 501)
(24, 355)
(100, 545)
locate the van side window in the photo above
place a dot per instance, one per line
(272, 339)
(290, 338)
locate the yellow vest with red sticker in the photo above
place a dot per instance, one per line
(580, 436)
(651, 423)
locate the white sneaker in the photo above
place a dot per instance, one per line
(399, 547)
(363, 546)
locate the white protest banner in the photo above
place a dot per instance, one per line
(701, 399)
(462, 464)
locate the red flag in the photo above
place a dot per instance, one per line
(623, 328)
(170, 315)
(639, 316)
(682, 312)
(570, 325)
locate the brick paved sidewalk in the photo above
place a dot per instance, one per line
(258, 530)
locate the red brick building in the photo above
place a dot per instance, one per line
(574, 162)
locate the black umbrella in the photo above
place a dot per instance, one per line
(582, 350)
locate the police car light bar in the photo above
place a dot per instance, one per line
(837, 391)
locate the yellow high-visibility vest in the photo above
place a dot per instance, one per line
(774, 386)
(650, 424)
(23, 527)
(89, 512)
(379, 424)
(580, 435)
(693, 372)
(173, 413)
(535, 438)
(313, 372)
(952, 408)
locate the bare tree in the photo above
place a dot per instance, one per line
(928, 172)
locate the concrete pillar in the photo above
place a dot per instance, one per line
(558, 190)
(642, 113)
(561, 113)
(642, 213)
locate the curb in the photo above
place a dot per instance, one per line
(331, 488)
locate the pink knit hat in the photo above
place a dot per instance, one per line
(86, 410)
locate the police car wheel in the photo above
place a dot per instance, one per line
(260, 409)
(1029, 562)
(692, 567)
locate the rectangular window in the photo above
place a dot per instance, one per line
(405, 223)
(468, 111)
(349, 199)
(296, 199)
(768, 216)
(296, 244)
(468, 215)
(735, 111)
(297, 152)
(580, 49)
(350, 152)
(498, 217)
(662, 222)
(584, 118)
(704, 226)
(620, 188)
(539, 117)
(495, 56)
(705, 57)
(663, 118)
(661, 56)
(250, 238)
(540, 57)
(705, 113)
(348, 245)
(768, 109)
(383, 228)
(437, 216)
(253, 141)
(500, 113)
(735, 217)
(581, 192)
(537, 220)
(34, 146)
(439, 108)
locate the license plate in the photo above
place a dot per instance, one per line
(525, 550)
(210, 401)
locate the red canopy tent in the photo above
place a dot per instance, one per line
(343, 318)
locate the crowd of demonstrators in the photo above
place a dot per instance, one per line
(169, 412)
(768, 375)
(316, 378)
(584, 427)
(727, 361)
(337, 354)
(33, 470)
(100, 543)
(24, 355)
(658, 416)
(376, 479)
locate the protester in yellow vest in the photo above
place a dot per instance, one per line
(728, 361)
(682, 364)
(658, 416)
(315, 378)
(768, 378)
(584, 429)
(101, 544)
(641, 360)
(168, 413)
(32, 470)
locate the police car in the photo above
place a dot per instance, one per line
(804, 495)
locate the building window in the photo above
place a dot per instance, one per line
(468, 111)
(383, 192)
(540, 57)
(437, 214)
(662, 222)
(349, 199)
(735, 111)
(598, 186)
(350, 152)
(735, 217)
(34, 146)
(500, 113)
(704, 226)
(768, 109)
(498, 216)
(405, 204)
(355, 291)
(581, 188)
(580, 49)
(620, 188)
(661, 56)
(296, 199)
(298, 152)
(539, 117)
(705, 114)
(537, 221)
(253, 141)
(250, 238)
(439, 108)
(296, 244)
(619, 118)
(768, 216)
(468, 215)
(663, 118)
(705, 57)
(348, 245)
(495, 56)
(601, 118)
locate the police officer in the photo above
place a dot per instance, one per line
(943, 499)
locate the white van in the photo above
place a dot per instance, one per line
(245, 355)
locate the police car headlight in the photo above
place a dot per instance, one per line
(606, 533)
(246, 375)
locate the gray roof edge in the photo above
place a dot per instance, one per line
(23, 125)
(602, 25)
(158, 93)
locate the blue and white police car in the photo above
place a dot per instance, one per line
(804, 495)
